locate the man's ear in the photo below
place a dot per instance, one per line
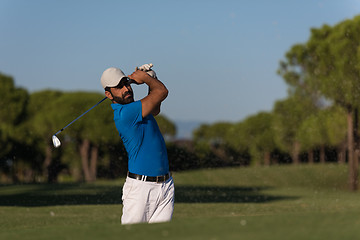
(108, 95)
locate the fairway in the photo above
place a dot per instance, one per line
(278, 202)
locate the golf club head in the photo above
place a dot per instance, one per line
(56, 141)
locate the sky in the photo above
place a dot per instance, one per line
(218, 58)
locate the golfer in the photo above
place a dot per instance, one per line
(148, 192)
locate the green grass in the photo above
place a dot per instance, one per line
(278, 202)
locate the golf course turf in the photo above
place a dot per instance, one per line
(277, 202)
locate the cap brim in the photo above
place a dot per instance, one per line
(121, 82)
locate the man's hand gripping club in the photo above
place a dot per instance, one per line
(147, 68)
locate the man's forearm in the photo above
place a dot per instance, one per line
(156, 87)
(157, 108)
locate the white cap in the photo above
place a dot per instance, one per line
(111, 77)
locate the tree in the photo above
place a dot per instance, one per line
(304, 100)
(329, 64)
(12, 113)
(334, 54)
(236, 137)
(288, 117)
(325, 128)
(214, 144)
(40, 125)
(167, 128)
(215, 133)
(86, 135)
(336, 126)
(259, 134)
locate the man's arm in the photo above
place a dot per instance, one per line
(157, 92)
(157, 108)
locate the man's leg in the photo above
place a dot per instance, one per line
(134, 207)
(165, 207)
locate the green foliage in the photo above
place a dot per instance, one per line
(335, 123)
(219, 145)
(254, 135)
(325, 128)
(328, 66)
(215, 133)
(334, 54)
(40, 120)
(236, 137)
(288, 117)
(167, 128)
(312, 132)
(258, 132)
(13, 103)
(181, 158)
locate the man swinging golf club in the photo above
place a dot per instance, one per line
(148, 193)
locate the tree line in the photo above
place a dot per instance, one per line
(319, 118)
(317, 122)
(91, 147)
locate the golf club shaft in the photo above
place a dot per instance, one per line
(80, 116)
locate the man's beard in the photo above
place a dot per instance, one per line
(124, 99)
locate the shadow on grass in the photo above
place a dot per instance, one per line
(215, 194)
(36, 195)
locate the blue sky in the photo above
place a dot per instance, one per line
(218, 58)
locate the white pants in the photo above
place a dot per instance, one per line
(147, 201)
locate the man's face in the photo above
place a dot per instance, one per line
(122, 93)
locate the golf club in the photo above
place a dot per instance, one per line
(56, 140)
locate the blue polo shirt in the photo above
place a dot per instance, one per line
(142, 139)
